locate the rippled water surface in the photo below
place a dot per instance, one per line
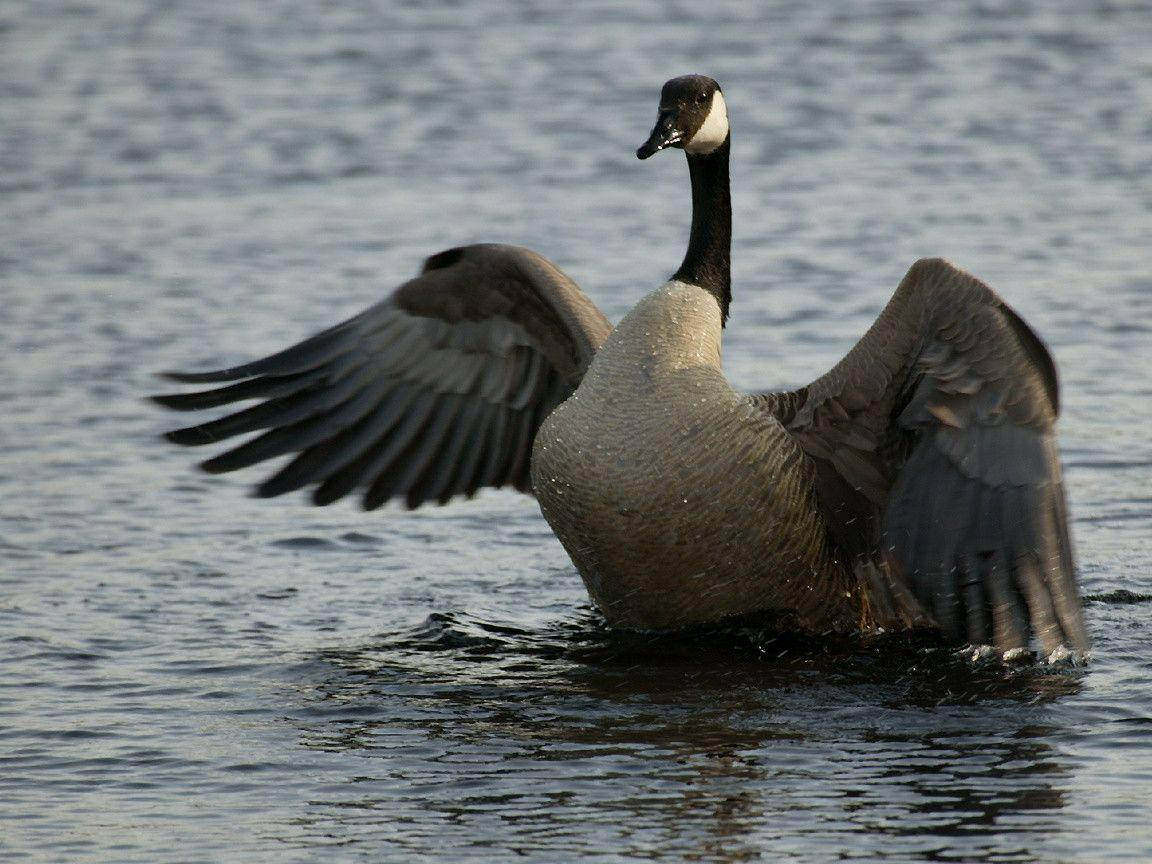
(187, 674)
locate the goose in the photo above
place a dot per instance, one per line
(916, 484)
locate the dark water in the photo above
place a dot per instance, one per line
(190, 675)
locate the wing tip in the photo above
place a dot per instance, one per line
(171, 401)
(189, 436)
(215, 465)
(322, 497)
(210, 376)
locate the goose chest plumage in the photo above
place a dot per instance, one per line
(916, 484)
(678, 500)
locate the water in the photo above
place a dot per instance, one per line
(190, 675)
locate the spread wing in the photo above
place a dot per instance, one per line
(435, 392)
(936, 456)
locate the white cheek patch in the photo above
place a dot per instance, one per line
(713, 130)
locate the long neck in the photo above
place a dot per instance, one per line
(707, 262)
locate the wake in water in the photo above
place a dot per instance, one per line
(918, 668)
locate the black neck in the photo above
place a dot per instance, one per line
(707, 262)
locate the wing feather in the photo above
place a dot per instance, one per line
(433, 392)
(315, 351)
(942, 418)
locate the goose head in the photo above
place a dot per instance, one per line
(692, 116)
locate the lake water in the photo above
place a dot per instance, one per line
(189, 675)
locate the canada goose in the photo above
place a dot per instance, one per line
(915, 484)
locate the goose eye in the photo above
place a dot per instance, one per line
(702, 98)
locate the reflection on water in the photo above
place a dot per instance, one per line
(715, 743)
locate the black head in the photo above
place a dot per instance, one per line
(692, 116)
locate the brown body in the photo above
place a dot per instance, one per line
(680, 502)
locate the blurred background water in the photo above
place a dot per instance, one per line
(190, 675)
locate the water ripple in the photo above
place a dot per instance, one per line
(193, 675)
